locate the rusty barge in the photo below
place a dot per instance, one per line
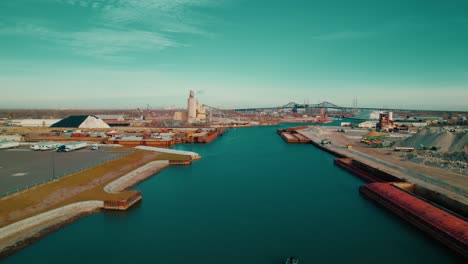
(439, 223)
(291, 135)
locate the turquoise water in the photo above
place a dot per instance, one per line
(251, 199)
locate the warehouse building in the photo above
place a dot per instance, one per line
(31, 122)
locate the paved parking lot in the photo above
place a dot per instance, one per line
(23, 167)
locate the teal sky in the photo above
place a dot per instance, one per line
(233, 53)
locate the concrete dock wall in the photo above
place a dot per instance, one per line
(194, 155)
(18, 235)
(134, 177)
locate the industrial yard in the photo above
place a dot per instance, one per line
(451, 183)
(53, 171)
(209, 131)
(434, 199)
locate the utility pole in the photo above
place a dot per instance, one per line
(53, 165)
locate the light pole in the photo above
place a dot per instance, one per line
(53, 165)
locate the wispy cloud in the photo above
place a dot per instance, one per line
(109, 43)
(116, 28)
(345, 35)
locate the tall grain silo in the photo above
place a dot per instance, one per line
(191, 108)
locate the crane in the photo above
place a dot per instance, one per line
(142, 115)
(154, 122)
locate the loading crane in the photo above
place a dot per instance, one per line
(148, 114)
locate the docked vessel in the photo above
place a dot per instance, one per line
(323, 120)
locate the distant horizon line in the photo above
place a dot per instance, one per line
(260, 107)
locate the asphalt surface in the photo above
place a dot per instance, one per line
(21, 167)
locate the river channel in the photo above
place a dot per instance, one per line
(252, 198)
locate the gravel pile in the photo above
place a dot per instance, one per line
(446, 139)
(456, 161)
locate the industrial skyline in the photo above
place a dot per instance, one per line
(234, 54)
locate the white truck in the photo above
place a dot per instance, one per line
(71, 146)
(45, 145)
(7, 145)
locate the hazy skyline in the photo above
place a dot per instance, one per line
(233, 53)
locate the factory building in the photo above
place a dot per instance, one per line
(114, 120)
(196, 112)
(82, 121)
(386, 122)
(367, 124)
(31, 122)
(180, 116)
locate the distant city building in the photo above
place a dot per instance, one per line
(31, 122)
(111, 117)
(114, 120)
(195, 112)
(82, 121)
(410, 124)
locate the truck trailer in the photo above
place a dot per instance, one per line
(45, 146)
(7, 145)
(71, 146)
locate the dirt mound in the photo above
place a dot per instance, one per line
(373, 133)
(443, 139)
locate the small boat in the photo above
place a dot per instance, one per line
(292, 260)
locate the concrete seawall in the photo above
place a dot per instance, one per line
(195, 156)
(129, 180)
(20, 234)
(133, 178)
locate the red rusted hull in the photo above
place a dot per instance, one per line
(291, 136)
(208, 138)
(449, 229)
(346, 163)
(288, 137)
